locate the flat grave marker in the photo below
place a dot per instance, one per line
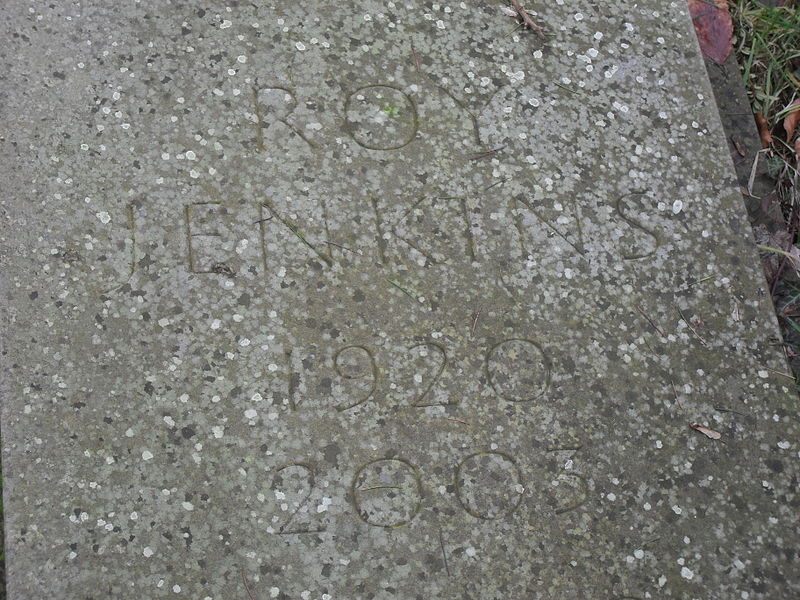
(382, 300)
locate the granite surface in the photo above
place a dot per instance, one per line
(382, 300)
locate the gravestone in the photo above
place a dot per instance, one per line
(382, 300)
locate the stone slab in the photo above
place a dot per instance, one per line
(382, 300)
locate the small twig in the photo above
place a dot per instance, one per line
(713, 5)
(265, 219)
(787, 375)
(691, 283)
(753, 172)
(502, 181)
(526, 18)
(517, 26)
(381, 487)
(486, 154)
(569, 89)
(402, 289)
(339, 246)
(247, 587)
(415, 56)
(475, 316)
(736, 316)
(649, 347)
(693, 330)
(652, 324)
(444, 554)
(730, 410)
(648, 542)
(457, 420)
(675, 392)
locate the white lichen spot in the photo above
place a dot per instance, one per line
(686, 573)
(147, 455)
(148, 552)
(104, 217)
(326, 502)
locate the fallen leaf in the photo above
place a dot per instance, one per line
(714, 27)
(763, 130)
(792, 119)
(739, 147)
(714, 435)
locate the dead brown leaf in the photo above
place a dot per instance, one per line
(738, 145)
(792, 119)
(714, 27)
(710, 433)
(763, 130)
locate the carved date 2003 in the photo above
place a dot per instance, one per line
(389, 492)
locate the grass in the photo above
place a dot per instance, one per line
(767, 46)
